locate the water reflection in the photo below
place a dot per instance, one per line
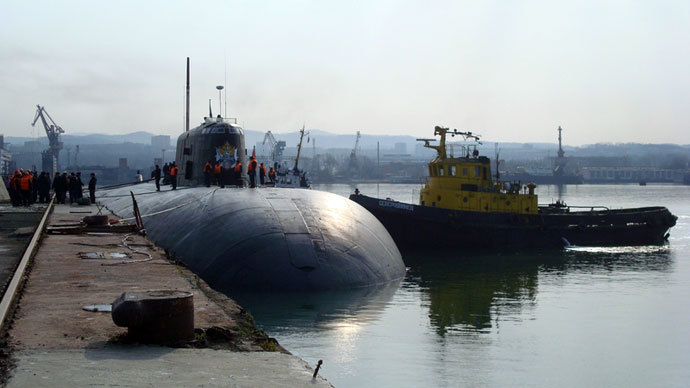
(343, 311)
(472, 293)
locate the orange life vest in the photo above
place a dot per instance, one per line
(238, 167)
(25, 182)
(173, 171)
(263, 169)
(217, 169)
(207, 167)
(252, 165)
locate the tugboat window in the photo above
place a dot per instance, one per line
(464, 172)
(476, 171)
(440, 170)
(452, 170)
(435, 171)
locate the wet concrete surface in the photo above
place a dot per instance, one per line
(146, 366)
(16, 229)
(53, 341)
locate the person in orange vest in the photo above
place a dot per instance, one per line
(173, 175)
(25, 186)
(207, 173)
(262, 174)
(252, 172)
(218, 174)
(237, 170)
(15, 191)
(272, 175)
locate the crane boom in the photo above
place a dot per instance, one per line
(53, 131)
(277, 146)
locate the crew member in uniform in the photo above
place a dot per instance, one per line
(173, 175)
(218, 174)
(237, 171)
(157, 177)
(207, 174)
(262, 174)
(252, 172)
(92, 187)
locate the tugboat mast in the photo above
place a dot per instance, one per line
(561, 153)
(299, 146)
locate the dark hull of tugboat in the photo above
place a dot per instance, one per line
(414, 226)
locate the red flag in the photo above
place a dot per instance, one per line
(254, 152)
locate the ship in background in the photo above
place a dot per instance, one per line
(559, 174)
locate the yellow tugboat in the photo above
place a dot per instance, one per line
(462, 206)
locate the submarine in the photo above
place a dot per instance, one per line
(257, 239)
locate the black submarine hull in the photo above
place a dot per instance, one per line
(414, 226)
(265, 239)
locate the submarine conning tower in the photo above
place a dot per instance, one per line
(217, 139)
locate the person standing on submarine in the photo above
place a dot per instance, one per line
(252, 172)
(237, 170)
(207, 173)
(262, 174)
(173, 175)
(92, 188)
(218, 174)
(157, 177)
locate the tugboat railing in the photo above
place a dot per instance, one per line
(590, 207)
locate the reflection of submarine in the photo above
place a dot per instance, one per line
(259, 239)
(322, 310)
(474, 292)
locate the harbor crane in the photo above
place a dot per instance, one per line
(50, 156)
(353, 154)
(354, 166)
(277, 146)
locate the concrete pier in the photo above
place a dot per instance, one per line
(53, 341)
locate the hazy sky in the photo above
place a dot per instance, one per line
(607, 71)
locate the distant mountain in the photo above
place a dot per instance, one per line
(89, 139)
(327, 140)
(331, 140)
(97, 138)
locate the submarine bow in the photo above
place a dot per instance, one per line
(265, 239)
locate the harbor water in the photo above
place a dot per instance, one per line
(604, 317)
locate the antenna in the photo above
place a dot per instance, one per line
(186, 125)
(210, 113)
(225, 82)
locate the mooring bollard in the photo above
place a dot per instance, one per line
(156, 316)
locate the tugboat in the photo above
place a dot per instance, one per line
(461, 206)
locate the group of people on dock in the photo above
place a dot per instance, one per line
(27, 187)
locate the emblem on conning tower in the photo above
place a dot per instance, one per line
(226, 154)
